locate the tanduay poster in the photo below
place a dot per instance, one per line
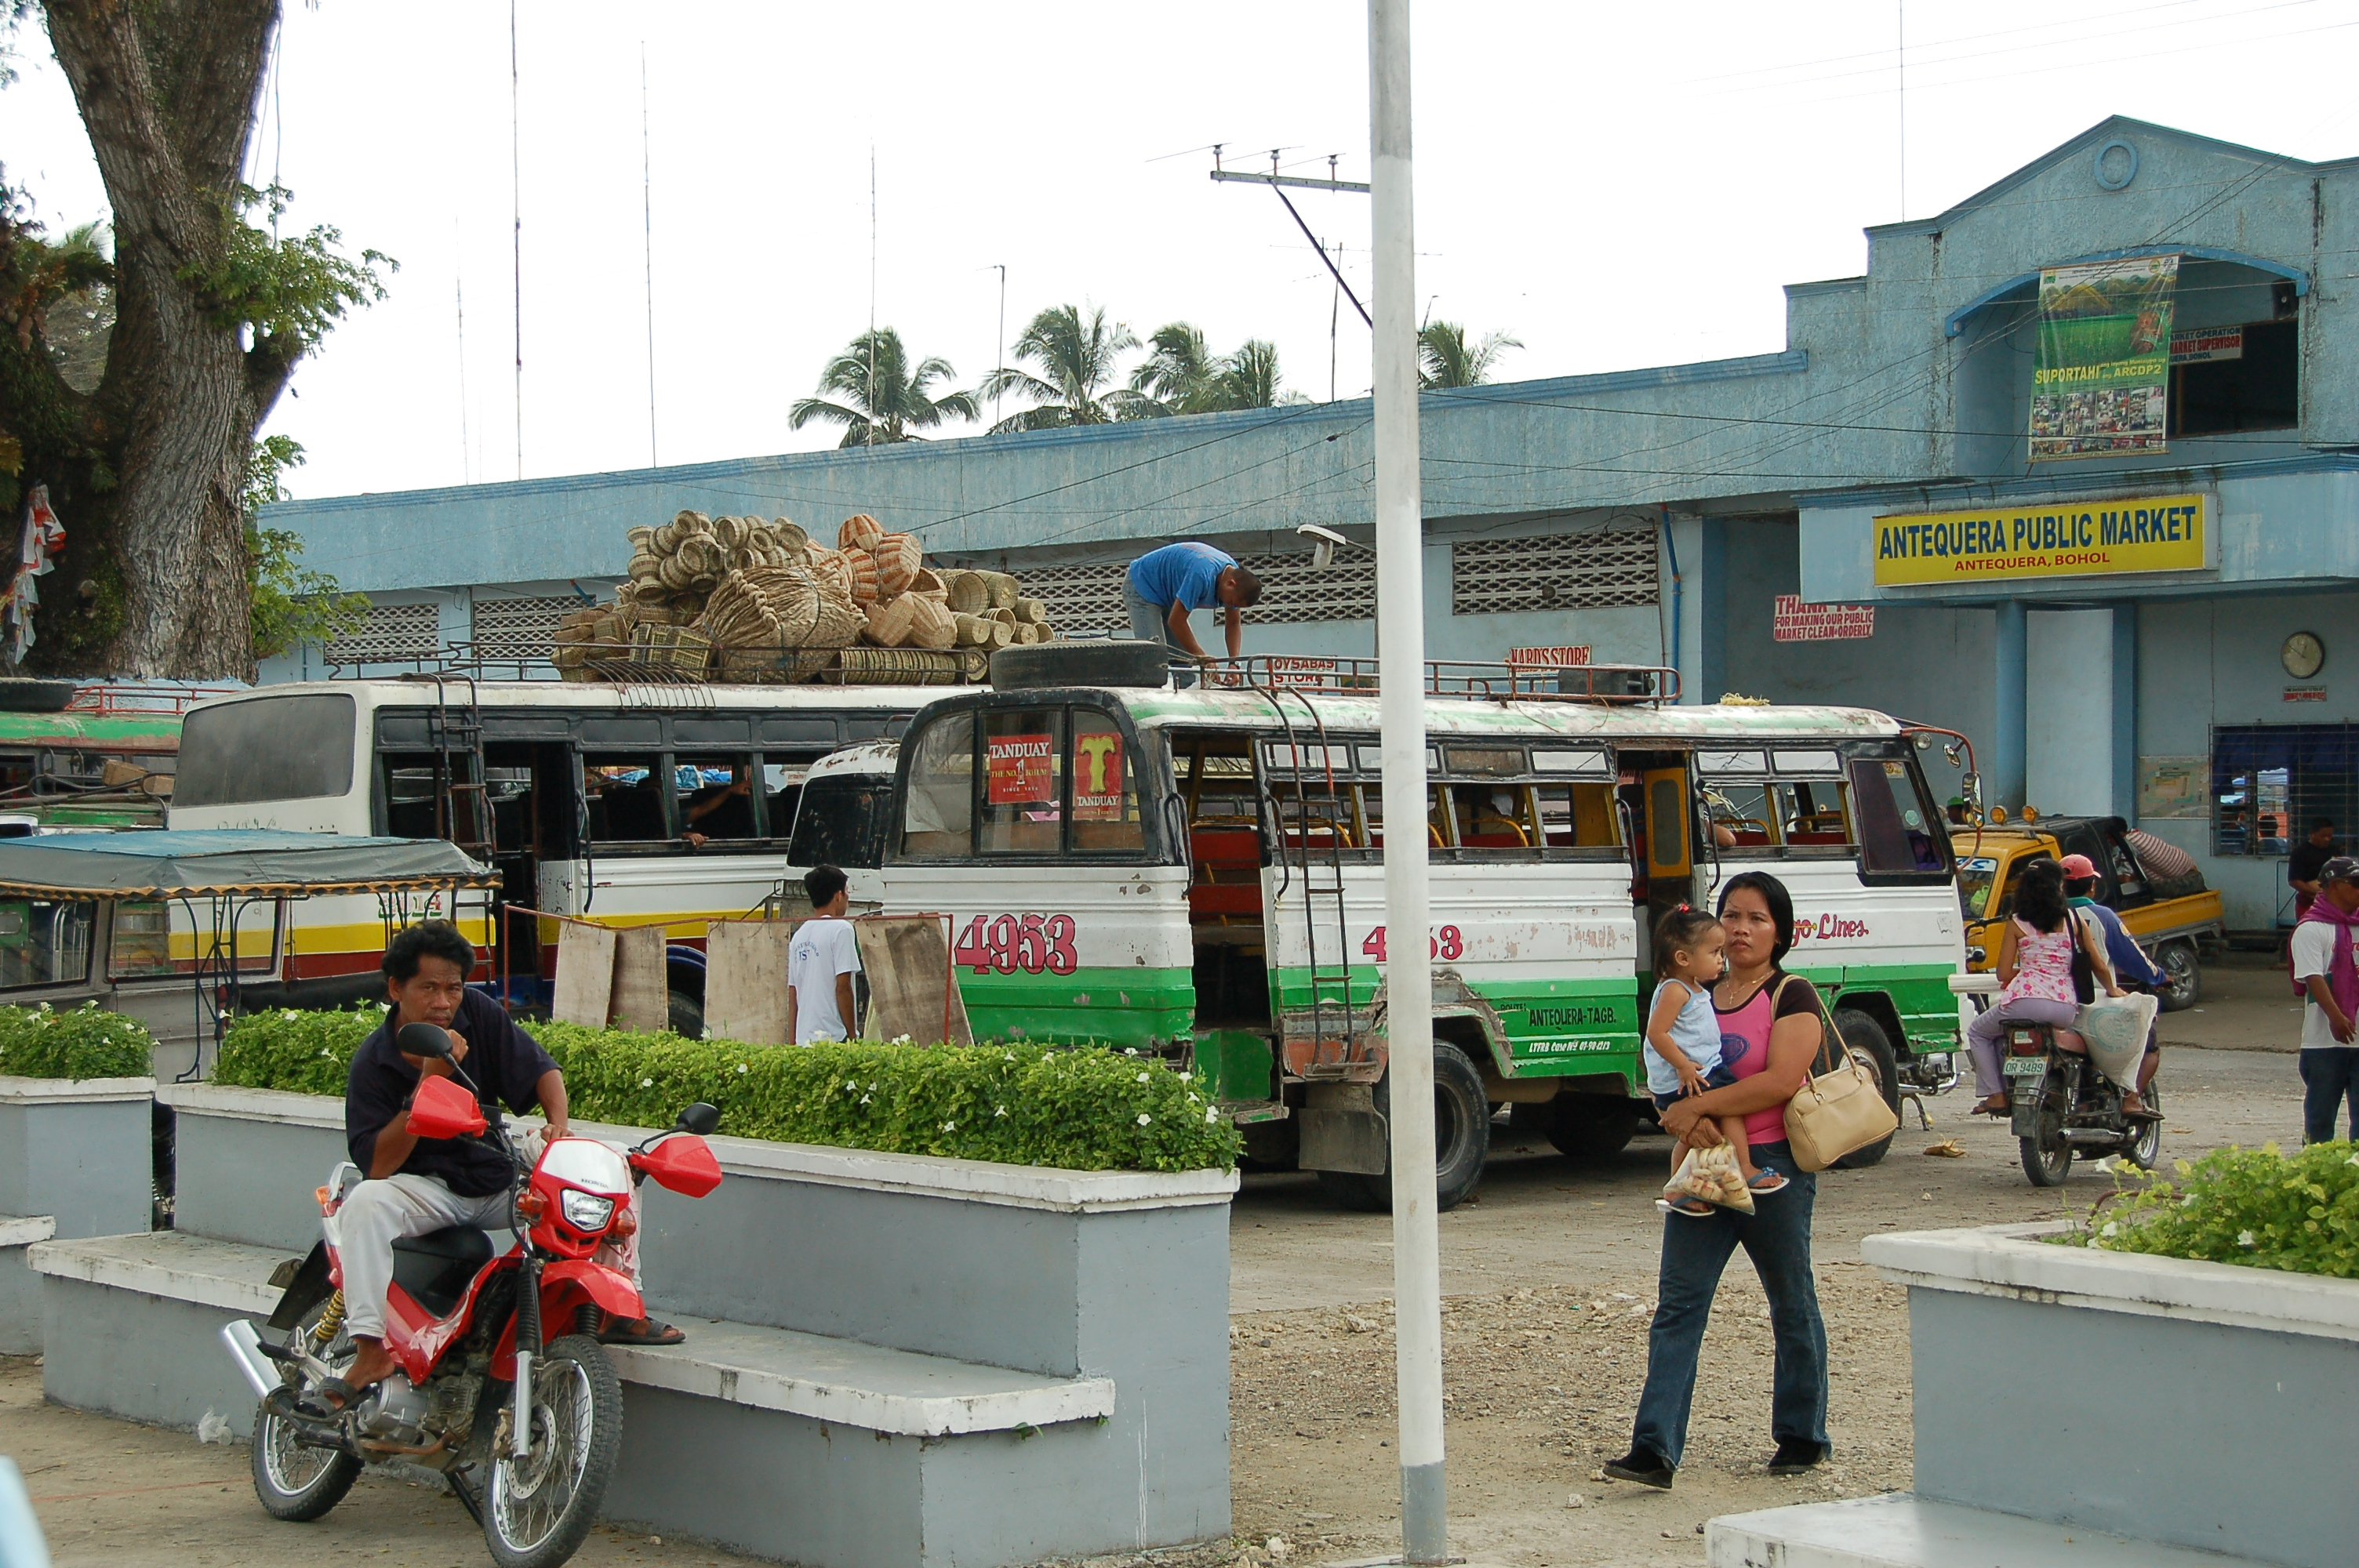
(2102, 383)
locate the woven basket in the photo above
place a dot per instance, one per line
(775, 666)
(898, 557)
(671, 647)
(859, 529)
(902, 666)
(966, 591)
(861, 566)
(890, 623)
(929, 585)
(788, 532)
(929, 623)
(1000, 587)
(1028, 611)
(692, 522)
(778, 609)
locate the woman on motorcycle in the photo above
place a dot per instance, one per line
(2035, 971)
(2131, 967)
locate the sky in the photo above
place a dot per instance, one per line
(1613, 187)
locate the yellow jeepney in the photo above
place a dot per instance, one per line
(2170, 917)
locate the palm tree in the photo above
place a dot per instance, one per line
(884, 399)
(1181, 375)
(1075, 353)
(1445, 359)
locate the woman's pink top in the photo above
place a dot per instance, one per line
(1745, 1044)
(2043, 964)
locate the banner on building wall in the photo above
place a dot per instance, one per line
(1793, 621)
(2051, 539)
(2102, 382)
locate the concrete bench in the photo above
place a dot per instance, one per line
(20, 1288)
(76, 1156)
(1903, 1531)
(795, 1444)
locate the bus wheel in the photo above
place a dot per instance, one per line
(1461, 1139)
(686, 1016)
(1592, 1127)
(1865, 1039)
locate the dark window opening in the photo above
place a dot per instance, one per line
(625, 798)
(842, 822)
(2260, 390)
(2268, 781)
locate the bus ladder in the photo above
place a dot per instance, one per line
(1333, 1028)
(462, 803)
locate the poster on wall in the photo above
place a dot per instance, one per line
(2174, 786)
(2102, 382)
(1097, 776)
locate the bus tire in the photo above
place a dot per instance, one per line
(1461, 1139)
(1592, 1127)
(1865, 1039)
(1107, 661)
(686, 1016)
(31, 694)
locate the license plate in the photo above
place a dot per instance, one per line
(2026, 1067)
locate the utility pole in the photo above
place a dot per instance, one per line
(1278, 183)
(1400, 649)
(1000, 342)
(647, 224)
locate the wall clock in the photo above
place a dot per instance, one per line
(2303, 654)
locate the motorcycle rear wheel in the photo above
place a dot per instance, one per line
(294, 1482)
(2048, 1154)
(539, 1510)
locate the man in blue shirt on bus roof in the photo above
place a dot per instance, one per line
(1164, 585)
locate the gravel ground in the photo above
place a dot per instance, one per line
(1549, 1279)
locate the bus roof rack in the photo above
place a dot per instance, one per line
(1472, 680)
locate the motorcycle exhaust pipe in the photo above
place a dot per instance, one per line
(245, 1349)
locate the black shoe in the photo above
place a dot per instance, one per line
(1648, 1469)
(1794, 1457)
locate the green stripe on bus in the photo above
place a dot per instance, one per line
(1106, 1006)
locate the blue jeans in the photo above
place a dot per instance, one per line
(1777, 1237)
(2330, 1080)
(1148, 624)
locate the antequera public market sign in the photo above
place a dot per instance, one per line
(2051, 539)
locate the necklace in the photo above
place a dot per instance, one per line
(1750, 990)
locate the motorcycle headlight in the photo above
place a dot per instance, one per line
(586, 1212)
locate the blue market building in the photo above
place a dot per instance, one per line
(1658, 515)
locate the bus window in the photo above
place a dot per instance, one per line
(276, 748)
(1105, 786)
(1810, 813)
(841, 823)
(938, 814)
(625, 798)
(1490, 817)
(1023, 783)
(410, 795)
(1575, 816)
(1217, 784)
(1744, 816)
(1372, 811)
(714, 796)
(44, 941)
(1898, 828)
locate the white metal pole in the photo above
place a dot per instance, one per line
(1400, 649)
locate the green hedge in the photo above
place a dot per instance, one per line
(2256, 1206)
(1082, 1109)
(37, 1042)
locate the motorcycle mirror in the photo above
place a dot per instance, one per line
(699, 1118)
(422, 1040)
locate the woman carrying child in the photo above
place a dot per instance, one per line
(1682, 1050)
(1770, 1036)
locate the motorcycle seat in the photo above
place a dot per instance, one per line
(435, 1268)
(2070, 1039)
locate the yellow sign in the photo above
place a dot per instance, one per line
(2054, 538)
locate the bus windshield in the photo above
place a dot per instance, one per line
(298, 747)
(841, 822)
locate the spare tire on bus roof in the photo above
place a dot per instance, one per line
(24, 693)
(1096, 662)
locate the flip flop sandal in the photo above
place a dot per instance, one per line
(640, 1331)
(1768, 1182)
(317, 1406)
(1694, 1208)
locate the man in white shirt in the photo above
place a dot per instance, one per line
(820, 962)
(2324, 967)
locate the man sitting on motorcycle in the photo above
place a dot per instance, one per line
(2132, 968)
(415, 1185)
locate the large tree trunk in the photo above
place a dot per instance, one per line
(156, 570)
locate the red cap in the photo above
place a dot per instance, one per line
(2079, 867)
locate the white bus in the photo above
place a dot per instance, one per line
(628, 805)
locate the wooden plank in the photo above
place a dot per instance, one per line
(642, 1000)
(745, 980)
(585, 974)
(907, 958)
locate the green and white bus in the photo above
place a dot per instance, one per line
(1198, 873)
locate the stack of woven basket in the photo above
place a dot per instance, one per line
(675, 568)
(597, 633)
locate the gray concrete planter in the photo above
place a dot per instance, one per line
(2199, 1405)
(76, 1159)
(1114, 1276)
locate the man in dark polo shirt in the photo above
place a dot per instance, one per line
(415, 1185)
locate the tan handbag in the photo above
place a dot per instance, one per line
(1837, 1111)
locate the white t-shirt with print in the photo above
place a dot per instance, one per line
(2313, 953)
(822, 949)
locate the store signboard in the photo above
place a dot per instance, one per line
(1793, 621)
(2101, 384)
(2046, 539)
(2199, 344)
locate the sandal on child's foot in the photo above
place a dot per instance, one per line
(1768, 1182)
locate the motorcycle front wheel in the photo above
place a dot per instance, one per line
(540, 1508)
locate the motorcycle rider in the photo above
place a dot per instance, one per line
(2131, 967)
(414, 1186)
(2034, 966)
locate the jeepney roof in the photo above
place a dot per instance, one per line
(1530, 719)
(602, 695)
(201, 862)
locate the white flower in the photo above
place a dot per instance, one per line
(2244, 1239)
(950, 1127)
(872, 1088)
(1000, 1112)
(1193, 1100)
(647, 1083)
(2111, 1229)
(289, 1014)
(849, 1086)
(864, 1099)
(1142, 1077)
(1011, 1056)
(1127, 1050)
(1211, 1114)
(744, 1067)
(1144, 1119)
(900, 1040)
(705, 1033)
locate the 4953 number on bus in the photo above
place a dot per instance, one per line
(1006, 943)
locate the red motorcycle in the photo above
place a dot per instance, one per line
(499, 1366)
